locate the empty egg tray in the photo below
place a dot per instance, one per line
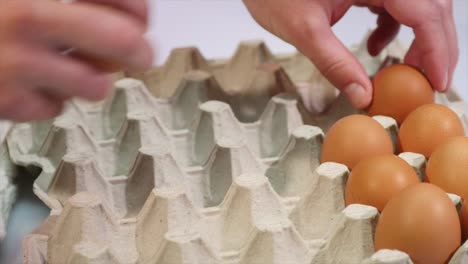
(202, 162)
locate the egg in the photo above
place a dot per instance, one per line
(427, 127)
(354, 138)
(375, 180)
(464, 220)
(421, 221)
(101, 64)
(448, 166)
(398, 90)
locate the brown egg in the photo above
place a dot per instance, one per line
(375, 180)
(464, 219)
(448, 166)
(427, 127)
(422, 221)
(398, 90)
(99, 63)
(354, 138)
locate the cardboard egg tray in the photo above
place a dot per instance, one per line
(201, 161)
(7, 189)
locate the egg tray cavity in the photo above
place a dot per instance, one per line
(220, 167)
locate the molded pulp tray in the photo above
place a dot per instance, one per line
(202, 162)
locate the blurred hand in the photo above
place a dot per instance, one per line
(36, 78)
(306, 24)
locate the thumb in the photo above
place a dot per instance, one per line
(318, 42)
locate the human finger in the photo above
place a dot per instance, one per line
(117, 37)
(386, 31)
(431, 43)
(21, 104)
(317, 41)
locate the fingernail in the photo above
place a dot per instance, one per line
(356, 95)
(445, 83)
(143, 57)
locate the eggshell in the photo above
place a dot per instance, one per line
(375, 180)
(448, 166)
(421, 221)
(99, 63)
(354, 138)
(398, 90)
(427, 127)
(464, 219)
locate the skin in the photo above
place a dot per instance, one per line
(306, 24)
(36, 78)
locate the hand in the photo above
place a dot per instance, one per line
(306, 24)
(36, 78)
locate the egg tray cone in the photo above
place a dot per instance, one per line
(203, 161)
(7, 188)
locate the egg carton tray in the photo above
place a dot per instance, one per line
(203, 161)
(7, 189)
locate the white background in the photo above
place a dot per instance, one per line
(217, 26)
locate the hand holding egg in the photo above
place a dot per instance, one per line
(309, 30)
